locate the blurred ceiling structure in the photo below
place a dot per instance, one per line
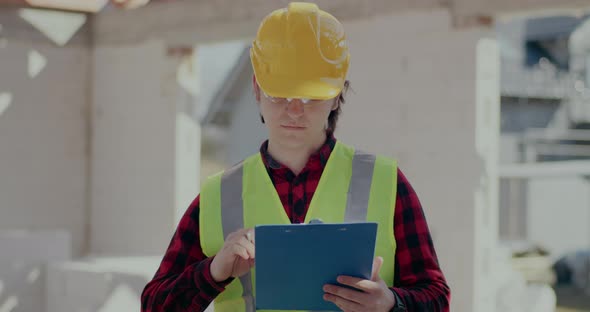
(86, 6)
(473, 9)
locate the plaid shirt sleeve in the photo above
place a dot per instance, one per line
(183, 281)
(419, 282)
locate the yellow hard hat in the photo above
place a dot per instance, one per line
(300, 52)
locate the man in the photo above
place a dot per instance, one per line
(300, 59)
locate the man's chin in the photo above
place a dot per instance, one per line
(293, 140)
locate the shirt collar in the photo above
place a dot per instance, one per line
(320, 157)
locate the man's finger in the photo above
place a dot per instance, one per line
(343, 304)
(244, 242)
(358, 283)
(240, 251)
(233, 236)
(377, 263)
(348, 294)
(250, 236)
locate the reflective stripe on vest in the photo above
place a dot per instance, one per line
(359, 187)
(232, 219)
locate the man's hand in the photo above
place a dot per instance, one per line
(236, 257)
(372, 295)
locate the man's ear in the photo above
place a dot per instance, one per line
(336, 103)
(256, 88)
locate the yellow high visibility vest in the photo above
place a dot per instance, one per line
(354, 186)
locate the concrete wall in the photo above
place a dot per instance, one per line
(43, 133)
(414, 81)
(123, 157)
(133, 151)
(145, 149)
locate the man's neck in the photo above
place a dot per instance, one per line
(294, 158)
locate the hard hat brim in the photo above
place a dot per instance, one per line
(290, 87)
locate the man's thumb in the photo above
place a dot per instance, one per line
(376, 268)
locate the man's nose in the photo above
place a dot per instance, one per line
(295, 108)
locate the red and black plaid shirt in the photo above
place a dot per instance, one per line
(184, 283)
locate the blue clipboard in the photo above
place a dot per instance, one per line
(294, 262)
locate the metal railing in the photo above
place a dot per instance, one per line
(570, 143)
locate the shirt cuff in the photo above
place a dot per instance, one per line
(399, 303)
(203, 276)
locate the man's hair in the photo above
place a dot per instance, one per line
(333, 117)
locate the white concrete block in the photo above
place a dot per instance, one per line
(27, 246)
(123, 298)
(23, 259)
(510, 296)
(555, 229)
(86, 286)
(25, 282)
(99, 284)
(540, 298)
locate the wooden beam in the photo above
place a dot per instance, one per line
(191, 21)
(85, 6)
(15, 28)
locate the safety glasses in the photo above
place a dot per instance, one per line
(278, 100)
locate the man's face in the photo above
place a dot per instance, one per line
(294, 122)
